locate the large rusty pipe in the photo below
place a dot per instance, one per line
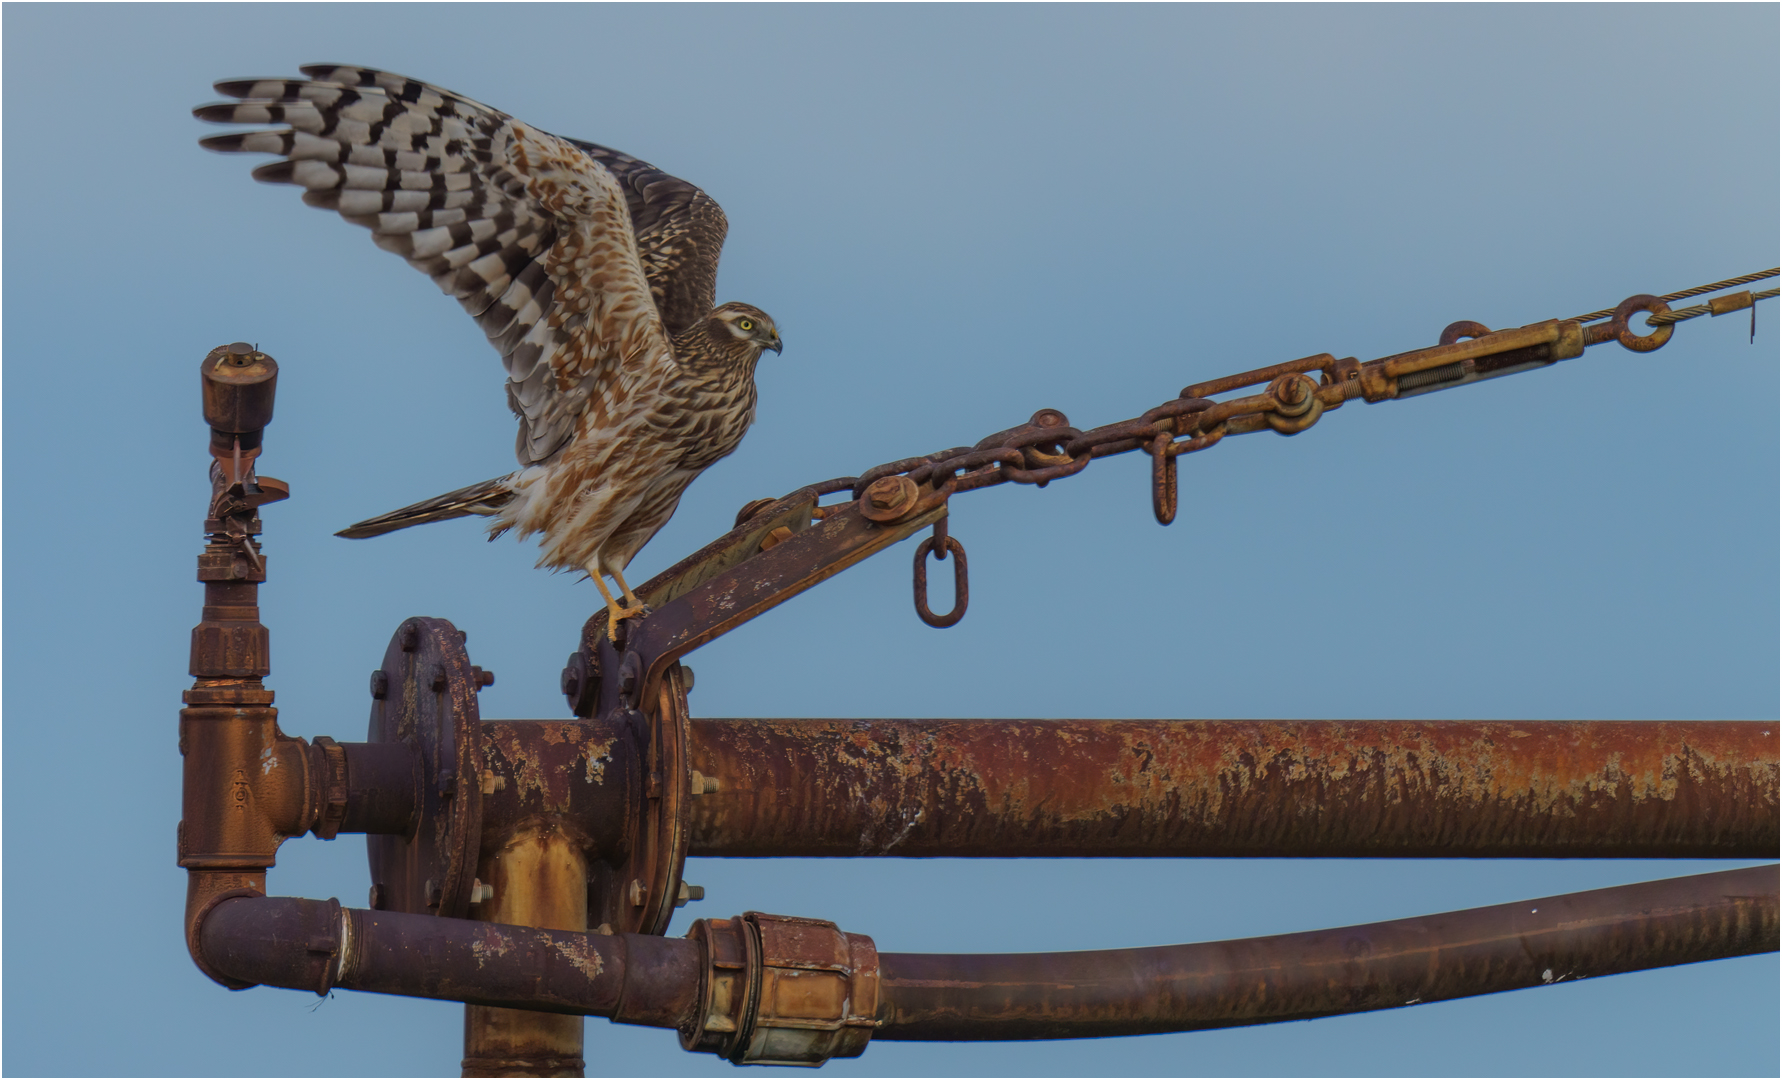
(1418, 789)
(318, 945)
(1326, 972)
(537, 877)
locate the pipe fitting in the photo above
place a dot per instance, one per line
(780, 990)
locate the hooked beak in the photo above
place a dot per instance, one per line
(774, 344)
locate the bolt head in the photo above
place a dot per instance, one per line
(376, 899)
(380, 685)
(887, 492)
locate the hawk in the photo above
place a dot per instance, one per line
(592, 273)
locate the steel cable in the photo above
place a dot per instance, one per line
(1697, 291)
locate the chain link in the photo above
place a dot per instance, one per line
(1294, 396)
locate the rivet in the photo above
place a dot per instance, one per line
(380, 685)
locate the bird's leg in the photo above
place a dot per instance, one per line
(630, 597)
(614, 610)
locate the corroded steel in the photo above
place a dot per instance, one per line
(427, 704)
(1628, 789)
(712, 596)
(781, 990)
(247, 785)
(543, 828)
(318, 945)
(1383, 965)
(537, 876)
(1047, 448)
(580, 774)
(806, 991)
(941, 545)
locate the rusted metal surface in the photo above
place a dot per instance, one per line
(726, 599)
(1558, 789)
(1641, 342)
(941, 545)
(1047, 448)
(541, 829)
(781, 990)
(538, 876)
(762, 517)
(1384, 965)
(318, 945)
(382, 784)
(645, 887)
(774, 989)
(580, 775)
(246, 784)
(426, 703)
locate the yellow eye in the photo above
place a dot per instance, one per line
(746, 324)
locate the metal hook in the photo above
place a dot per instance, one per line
(940, 543)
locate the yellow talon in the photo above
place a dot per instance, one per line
(615, 611)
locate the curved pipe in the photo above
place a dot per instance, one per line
(318, 945)
(1326, 972)
(656, 982)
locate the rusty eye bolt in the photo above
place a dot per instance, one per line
(529, 868)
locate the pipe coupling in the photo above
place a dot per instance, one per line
(779, 990)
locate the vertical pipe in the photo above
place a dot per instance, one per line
(540, 878)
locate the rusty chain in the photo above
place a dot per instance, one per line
(1048, 448)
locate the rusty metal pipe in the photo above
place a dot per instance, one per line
(537, 877)
(317, 945)
(382, 780)
(1409, 789)
(1382, 965)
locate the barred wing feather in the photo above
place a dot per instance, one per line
(532, 234)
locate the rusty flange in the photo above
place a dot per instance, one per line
(425, 696)
(636, 890)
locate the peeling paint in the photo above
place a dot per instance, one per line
(1174, 788)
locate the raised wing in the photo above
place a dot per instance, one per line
(680, 232)
(529, 233)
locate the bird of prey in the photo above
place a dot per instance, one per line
(593, 274)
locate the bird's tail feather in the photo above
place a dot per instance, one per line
(483, 499)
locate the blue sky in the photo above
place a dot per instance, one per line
(957, 215)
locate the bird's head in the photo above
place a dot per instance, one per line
(746, 325)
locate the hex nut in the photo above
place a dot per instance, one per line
(888, 498)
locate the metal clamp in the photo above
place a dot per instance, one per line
(780, 990)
